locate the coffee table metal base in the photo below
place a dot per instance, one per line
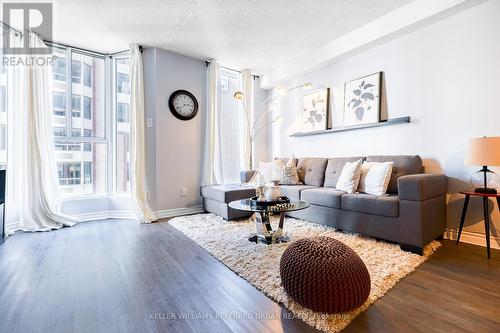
(265, 233)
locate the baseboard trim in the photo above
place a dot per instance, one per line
(106, 215)
(472, 238)
(161, 214)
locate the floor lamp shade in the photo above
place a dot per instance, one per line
(484, 152)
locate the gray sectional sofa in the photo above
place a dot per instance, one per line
(412, 214)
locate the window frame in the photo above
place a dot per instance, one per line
(114, 123)
(108, 114)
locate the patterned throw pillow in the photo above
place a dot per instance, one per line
(290, 176)
(278, 166)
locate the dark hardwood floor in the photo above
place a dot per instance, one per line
(120, 276)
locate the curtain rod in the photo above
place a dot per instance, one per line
(75, 48)
(127, 50)
(207, 64)
(11, 28)
(66, 45)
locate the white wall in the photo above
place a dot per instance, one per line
(445, 76)
(174, 147)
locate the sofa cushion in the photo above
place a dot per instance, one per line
(227, 193)
(327, 197)
(334, 168)
(403, 165)
(293, 191)
(371, 204)
(312, 171)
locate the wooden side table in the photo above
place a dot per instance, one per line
(486, 213)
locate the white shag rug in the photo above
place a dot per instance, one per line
(259, 263)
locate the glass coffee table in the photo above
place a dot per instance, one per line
(265, 234)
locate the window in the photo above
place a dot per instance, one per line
(87, 172)
(80, 138)
(59, 69)
(76, 71)
(122, 102)
(231, 121)
(87, 75)
(122, 112)
(3, 114)
(87, 108)
(122, 83)
(85, 160)
(76, 102)
(59, 104)
(3, 98)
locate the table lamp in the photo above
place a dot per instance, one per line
(484, 151)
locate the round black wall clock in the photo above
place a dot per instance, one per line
(183, 105)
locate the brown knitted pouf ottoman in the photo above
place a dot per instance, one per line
(324, 275)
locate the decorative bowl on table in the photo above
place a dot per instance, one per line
(254, 201)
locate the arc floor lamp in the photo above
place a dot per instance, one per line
(253, 129)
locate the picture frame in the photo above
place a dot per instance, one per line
(316, 110)
(362, 100)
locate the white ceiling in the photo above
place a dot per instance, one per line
(257, 34)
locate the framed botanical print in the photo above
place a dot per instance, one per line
(362, 100)
(315, 109)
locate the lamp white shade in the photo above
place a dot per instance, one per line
(483, 151)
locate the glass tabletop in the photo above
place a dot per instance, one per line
(246, 205)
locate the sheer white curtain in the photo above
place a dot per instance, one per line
(225, 127)
(212, 164)
(138, 138)
(32, 191)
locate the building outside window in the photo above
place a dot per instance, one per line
(87, 107)
(122, 83)
(59, 131)
(122, 124)
(122, 113)
(69, 173)
(76, 104)
(59, 104)
(87, 75)
(59, 69)
(87, 172)
(76, 71)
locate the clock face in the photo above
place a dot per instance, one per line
(183, 105)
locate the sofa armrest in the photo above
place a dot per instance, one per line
(421, 187)
(246, 175)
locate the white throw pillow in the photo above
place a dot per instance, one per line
(349, 177)
(375, 177)
(266, 169)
